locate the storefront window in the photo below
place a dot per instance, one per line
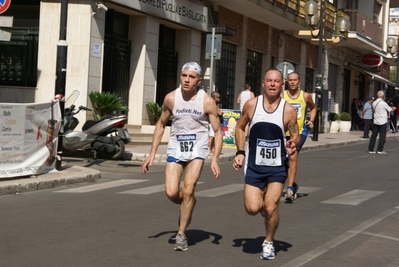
(18, 58)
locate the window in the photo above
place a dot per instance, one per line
(254, 71)
(225, 75)
(18, 58)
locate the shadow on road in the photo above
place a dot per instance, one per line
(193, 236)
(254, 245)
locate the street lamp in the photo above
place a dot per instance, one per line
(316, 20)
(392, 46)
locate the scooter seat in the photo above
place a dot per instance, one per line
(88, 124)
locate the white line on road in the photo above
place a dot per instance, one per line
(354, 197)
(219, 191)
(338, 240)
(149, 190)
(101, 186)
(381, 236)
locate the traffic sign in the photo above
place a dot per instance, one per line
(285, 68)
(4, 5)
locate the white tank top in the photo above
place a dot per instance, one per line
(245, 96)
(189, 131)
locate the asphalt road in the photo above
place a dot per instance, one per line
(346, 215)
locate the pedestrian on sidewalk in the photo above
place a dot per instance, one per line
(301, 101)
(381, 110)
(265, 159)
(192, 111)
(367, 117)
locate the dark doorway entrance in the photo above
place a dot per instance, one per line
(116, 71)
(167, 63)
(346, 91)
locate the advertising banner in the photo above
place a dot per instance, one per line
(28, 138)
(230, 118)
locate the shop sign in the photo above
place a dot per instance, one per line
(4, 5)
(180, 11)
(372, 60)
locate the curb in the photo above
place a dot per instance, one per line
(70, 175)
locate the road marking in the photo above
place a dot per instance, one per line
(354, 197)
(307, 257)
(219, 191)
(101, 186)
(381, 236)
(149, 190)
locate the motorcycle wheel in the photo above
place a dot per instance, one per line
(120, 150)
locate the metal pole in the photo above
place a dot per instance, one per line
(212, 58)
(62, 51)
(319, 75)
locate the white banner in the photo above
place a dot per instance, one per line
(28, 138)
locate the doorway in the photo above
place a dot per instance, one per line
(167, 63)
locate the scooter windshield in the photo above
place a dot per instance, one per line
(72, 98)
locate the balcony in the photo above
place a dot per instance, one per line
(365, 35)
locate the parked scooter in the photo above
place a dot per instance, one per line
(105, 135)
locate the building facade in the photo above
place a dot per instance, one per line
(136, 48)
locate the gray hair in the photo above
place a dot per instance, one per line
(215, 94)
(380, 93)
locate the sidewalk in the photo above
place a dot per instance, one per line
(140, 151)
(70, 174)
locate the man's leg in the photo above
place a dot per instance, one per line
(373, 138)
(366, 128)
(271, 202)
(193, 172)
(272, 218)
(382, 137)
(253, 199)
(293, 167)
(173, 174)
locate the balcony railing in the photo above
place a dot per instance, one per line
(293, 6)
(365, 26)
(297, 7)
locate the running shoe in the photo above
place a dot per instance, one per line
(262, 212)
(181, 243)
(268, 251)
(382, 152)
(290, 193)
(371, 152)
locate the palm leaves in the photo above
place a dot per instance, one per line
(106, 103)
(154, 109)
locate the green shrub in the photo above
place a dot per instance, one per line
(334, 116)
(345, 116)
(106, 103)
(154, 109)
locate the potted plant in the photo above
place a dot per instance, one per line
(345, 122)
(106, 103)
(155, 110)
(334, 118)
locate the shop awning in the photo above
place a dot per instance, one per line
(373, 75)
